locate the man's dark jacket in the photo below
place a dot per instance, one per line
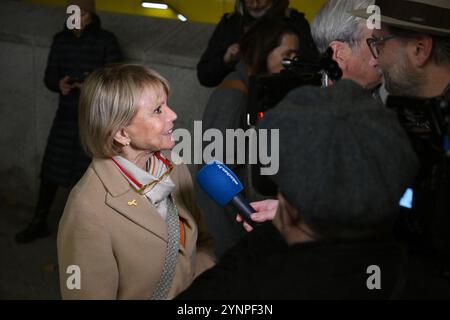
(263, 266)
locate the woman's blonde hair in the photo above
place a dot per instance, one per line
(109, 101)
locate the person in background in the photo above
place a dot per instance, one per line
(131, 224)
(263, 48)
(333, 26)
(413, 50)
(223, 51)
(73, 55)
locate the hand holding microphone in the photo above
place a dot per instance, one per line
(265, 211)
(224, 187)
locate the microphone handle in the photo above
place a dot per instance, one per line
(244, 209)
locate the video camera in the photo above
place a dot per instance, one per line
(266, 91)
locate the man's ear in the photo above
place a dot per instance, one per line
(121, 137)
(291, 224)
(288, 214)
(419, 50)
(341, 51)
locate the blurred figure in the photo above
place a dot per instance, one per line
(73, 55)
(223, 51)
(338, 198)
(131, 224)
(334, 26)
(263, 48)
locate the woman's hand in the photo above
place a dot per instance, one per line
(265, 210)
(232, 54)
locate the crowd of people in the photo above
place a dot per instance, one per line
(136, 229)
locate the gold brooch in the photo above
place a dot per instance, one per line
(132, 203)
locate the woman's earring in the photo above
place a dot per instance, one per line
(127, 143)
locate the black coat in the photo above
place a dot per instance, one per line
(211, 69)
(263, 266)
(426, 225)
(64, 160)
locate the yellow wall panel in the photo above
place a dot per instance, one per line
(207, 11)
(309, 7)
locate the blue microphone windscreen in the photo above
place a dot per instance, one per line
(219, 182)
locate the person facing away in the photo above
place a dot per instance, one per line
(345, 163)
(73, 55)
(131, 226)
(223, 50)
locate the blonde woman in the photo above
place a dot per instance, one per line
(130, 229)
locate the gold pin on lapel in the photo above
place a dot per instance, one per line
(132, 203)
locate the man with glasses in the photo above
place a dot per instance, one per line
(414, 56)
(413, 51)
(373, 44)
(335, 27)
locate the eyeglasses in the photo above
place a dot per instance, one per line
(373, 44)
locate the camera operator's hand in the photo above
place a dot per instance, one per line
(232, 54)
(265, 210)
(65, 86)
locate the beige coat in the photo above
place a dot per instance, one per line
(120, 247)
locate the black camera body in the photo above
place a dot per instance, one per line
(265, 92)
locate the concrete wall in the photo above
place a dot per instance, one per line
(27, 108)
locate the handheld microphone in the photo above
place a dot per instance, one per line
(224, 187)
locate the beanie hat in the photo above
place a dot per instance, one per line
(345, 160)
